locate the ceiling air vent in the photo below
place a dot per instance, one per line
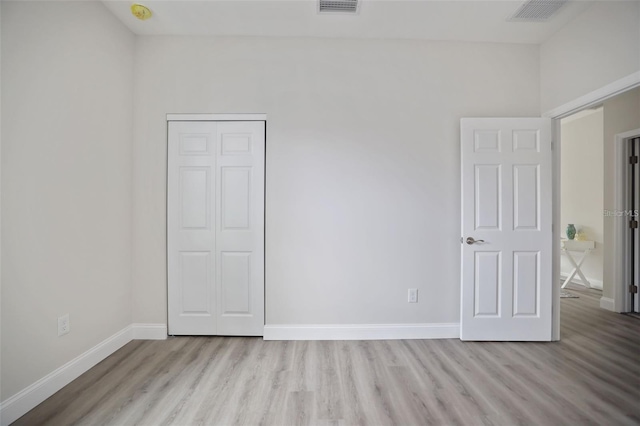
(342, 6)
(537, 10)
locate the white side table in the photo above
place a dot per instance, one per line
(577, 246)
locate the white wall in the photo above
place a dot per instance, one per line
(363, 175)
(582, 187)
(621, 114)
(598, 47)
(66, 183)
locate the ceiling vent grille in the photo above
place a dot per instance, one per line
(341, 6)
(537, 10)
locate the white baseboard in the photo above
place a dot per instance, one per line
(361, 331)
(608, 304)
(597, 284)
(25, 400)
(28, 398)
(149, 331)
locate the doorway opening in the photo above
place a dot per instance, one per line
(581, 226)
(582, 195)
(617, 245)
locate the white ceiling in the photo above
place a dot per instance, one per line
(477, 20)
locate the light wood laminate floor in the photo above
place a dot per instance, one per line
(592, 376)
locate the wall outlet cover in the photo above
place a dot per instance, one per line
(64, 326)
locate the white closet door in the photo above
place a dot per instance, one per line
(191, 228)
(240, 227)
(215, 221)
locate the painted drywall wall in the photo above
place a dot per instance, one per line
(362, 175)
(66, 183)
(621, 114)
(597, 48)
(582, 187)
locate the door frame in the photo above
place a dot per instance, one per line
(220, 117)
(589, 100)
(621, 297)
(217, 117)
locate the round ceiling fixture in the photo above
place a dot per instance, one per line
(141, 12)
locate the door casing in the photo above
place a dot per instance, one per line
(621, 275)
(589, 100)
(226, 118)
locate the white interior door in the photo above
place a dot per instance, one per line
(506, 291)
(215, 228)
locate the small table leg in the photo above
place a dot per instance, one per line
(576, 269)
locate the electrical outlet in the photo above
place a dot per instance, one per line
(413, 295)
(64, 326)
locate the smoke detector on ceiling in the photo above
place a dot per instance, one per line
(537, 10)
(338, 6)
(140, 11)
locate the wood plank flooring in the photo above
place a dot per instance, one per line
(590, 377)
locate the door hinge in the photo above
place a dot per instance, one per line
(633, 159)
(552, 145)
(633, 224)
(633, 289)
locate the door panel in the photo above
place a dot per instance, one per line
(215, 220)
(487, 196)
(487, 281)
(525, 283)
(195, 282)
(240, 228)
(526, 197)
(190, 234)
(235, 281)
(506, 209)
(194, 197)
(236, 197)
